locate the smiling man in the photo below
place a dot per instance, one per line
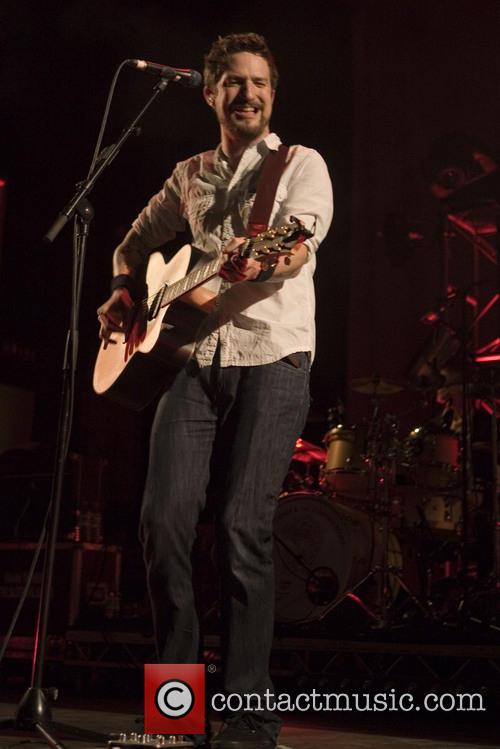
(244, 395)
(243, 98)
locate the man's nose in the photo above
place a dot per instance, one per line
(249, 88)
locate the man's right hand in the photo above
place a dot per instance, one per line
(115, 314)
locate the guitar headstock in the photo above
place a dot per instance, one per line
(278, 241)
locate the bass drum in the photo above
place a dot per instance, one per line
(322, 549)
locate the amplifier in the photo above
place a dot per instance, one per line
(86, 584)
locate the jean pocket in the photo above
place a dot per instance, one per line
(299, 360)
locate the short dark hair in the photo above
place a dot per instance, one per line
(217, 59)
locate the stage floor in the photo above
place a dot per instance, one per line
(295, 734)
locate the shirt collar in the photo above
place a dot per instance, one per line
(270, 143)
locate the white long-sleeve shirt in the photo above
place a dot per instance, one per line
(254, 323)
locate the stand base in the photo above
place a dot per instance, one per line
(383, 617)
(34, 714)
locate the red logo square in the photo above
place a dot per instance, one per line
(174, 698)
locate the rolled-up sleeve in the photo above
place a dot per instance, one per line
(309, 195)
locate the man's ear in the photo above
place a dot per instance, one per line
(209, 96)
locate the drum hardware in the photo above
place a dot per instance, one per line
(305, 467)
(384, 449)
(336, 414)
(386, 574)
(307, 452)
(437, 554)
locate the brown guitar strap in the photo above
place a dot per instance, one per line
(269, 177)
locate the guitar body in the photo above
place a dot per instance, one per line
(153, 365)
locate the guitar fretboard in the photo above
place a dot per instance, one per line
(196, 277)
(193, 279)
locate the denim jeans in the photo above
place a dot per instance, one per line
(252, 415)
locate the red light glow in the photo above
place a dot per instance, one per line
(491, 348)
(494, 299)
(430, 318)
(471, 300)
(490, 358)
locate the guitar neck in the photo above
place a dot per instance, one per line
(271, 242)
(193, 279)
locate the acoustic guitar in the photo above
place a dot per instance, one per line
(135, 378)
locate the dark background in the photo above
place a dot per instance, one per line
(369, 84)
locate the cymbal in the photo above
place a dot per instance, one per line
(307, 452)
(375, 386)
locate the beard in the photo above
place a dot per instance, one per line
(245, 129)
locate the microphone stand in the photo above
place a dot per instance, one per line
(33, 713)
(107, 156)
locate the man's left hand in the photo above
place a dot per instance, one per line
(237, 268)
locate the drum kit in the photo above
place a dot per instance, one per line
(371, 521)
(405, 526)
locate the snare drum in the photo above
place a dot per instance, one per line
(346, 471)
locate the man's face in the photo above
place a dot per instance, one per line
(243, 97)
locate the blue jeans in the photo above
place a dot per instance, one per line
(254, 415)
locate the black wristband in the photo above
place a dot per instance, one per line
(264, 274)
(124, 281)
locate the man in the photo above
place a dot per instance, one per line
(245, 392)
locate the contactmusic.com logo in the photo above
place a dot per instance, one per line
(174, 698)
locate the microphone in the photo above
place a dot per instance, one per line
(189, 78)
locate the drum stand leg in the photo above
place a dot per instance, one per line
(383, 616)
(384, 572)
